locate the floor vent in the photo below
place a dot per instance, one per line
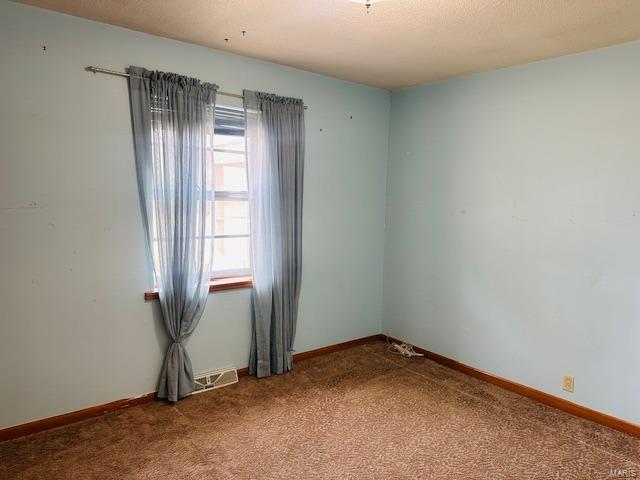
(217, 379)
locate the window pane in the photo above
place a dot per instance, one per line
(232, 217)
(231, 254)
(228, 142)
(230, 172)
(231, 211)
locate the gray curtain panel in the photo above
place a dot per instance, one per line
(173, 118)
(275, 166)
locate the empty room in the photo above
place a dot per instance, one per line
(319, 239)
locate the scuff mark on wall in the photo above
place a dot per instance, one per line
(33, 205)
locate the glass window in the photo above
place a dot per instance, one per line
(231, 247)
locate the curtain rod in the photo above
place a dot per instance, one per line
(94, 69)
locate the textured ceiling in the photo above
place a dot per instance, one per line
(399, 43)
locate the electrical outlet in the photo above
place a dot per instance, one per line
(568, 383)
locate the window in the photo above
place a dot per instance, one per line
(231, 245)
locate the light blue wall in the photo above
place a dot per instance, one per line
(74, 328)
(512, 219)
(513, 224)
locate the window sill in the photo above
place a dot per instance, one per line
(217, 285)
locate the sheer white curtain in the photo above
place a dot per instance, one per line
(173, 121)
(275, 166)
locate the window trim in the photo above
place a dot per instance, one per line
(218, 284)
(231, 273)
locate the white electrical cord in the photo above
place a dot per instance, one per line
(404, 349)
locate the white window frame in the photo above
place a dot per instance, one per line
(231, 195)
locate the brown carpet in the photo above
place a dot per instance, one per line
(360, 413)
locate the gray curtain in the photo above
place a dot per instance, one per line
(173, 118)
(275, 163)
